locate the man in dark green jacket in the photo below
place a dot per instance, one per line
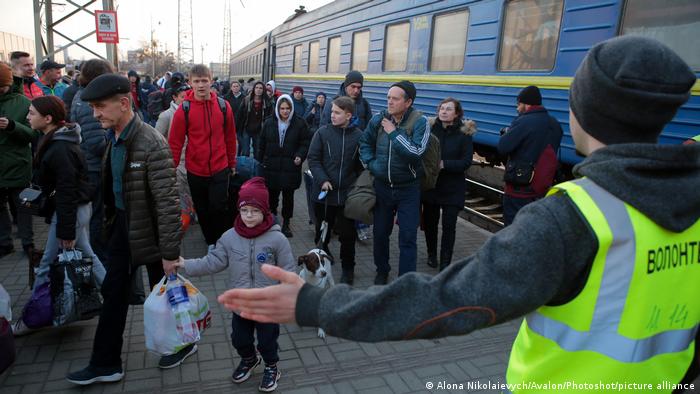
(142, 210)
(15, 160)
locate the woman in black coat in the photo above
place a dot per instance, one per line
(456, 151)
(61, 171)
(283, 145)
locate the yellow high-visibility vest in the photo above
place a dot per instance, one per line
(636, 318)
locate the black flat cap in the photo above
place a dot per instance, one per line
(104, 86)
(50, 64)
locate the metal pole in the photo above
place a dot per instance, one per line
(108, 5)
(49, 28)
(38, 51)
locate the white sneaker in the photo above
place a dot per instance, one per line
(19, 328)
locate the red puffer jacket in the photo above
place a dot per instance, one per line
(210, 148)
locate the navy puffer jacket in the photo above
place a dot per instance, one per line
(93, 136)
(395, 158)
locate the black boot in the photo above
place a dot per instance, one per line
(381, 278)
(348, 276)
(285, 229)
(432, 261)
(444, 265)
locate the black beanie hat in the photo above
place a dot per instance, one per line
(408, 87)
(354, 76)
(530, 95)
(628, 88)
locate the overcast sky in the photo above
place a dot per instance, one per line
(250, 19)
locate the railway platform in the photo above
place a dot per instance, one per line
(308, 364)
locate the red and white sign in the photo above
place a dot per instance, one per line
(106, 27)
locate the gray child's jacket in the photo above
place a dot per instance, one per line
(243, 257)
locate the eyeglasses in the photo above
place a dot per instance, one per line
(250, 212)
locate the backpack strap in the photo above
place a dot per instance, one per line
(186, 107)
(412, 119)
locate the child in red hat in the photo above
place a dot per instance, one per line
(254, 240)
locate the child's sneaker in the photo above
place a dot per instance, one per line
(270, 378)
(244, 370)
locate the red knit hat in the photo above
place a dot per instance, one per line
(297, 89)
(254, 192)
(5, 75)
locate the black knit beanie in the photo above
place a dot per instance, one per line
(628, 88)
(354, 76)
(530, 95)
(408, 87)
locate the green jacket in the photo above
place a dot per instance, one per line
(15, 149)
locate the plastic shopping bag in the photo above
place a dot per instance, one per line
(160, 327)
(5, 304)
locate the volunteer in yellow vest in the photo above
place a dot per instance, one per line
(605, 269)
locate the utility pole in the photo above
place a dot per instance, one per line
(202, 46)
(185, 39)
(226, 54)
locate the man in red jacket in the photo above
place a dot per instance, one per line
(210, 158)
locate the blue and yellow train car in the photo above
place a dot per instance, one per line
(481, 52)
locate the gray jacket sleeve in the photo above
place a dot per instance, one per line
(543, 257)
(215, 261)
(285, 259)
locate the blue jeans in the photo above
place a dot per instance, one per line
(246, 140)
(82, 242)
(405, 202)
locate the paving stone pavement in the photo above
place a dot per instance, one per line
(308, 364)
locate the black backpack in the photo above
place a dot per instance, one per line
(156, 103)
(186, 107)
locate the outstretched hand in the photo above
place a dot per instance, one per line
(273, 304)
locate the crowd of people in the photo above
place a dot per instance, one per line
(117, 156)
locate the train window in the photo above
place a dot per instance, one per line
(333, 55)
(297, 58)
(396, 47)
(530, 35)
(360, 50)
(449, 41)
(675, 23)
(313, 56)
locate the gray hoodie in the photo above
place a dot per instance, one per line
(243, 257)
(543, 258)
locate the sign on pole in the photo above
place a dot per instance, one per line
(106, 27)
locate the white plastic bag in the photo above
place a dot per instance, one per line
(159, 321)
(5, 304)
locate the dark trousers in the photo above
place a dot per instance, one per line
(243, 341)
(25, 229)
(210, 198)
(405, 202)
(346, 228)
(97, 218)
(431, 218)
(308, 184)
(287, 202)
(107, 345)
(511, 206)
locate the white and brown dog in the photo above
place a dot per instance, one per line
(316, 271)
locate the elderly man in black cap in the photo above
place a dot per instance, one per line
(50, 81)
(531, 144)
(143, 212)
(391, 148)
(604, 269)
(351, 87)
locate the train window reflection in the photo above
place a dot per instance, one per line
(396, 47)
(449, 41)
(333, 56)
(675, 23)
(313, 56)
(530, 35)
(297, 58)
(360, 50)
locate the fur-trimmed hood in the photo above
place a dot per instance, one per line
(468, 126)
